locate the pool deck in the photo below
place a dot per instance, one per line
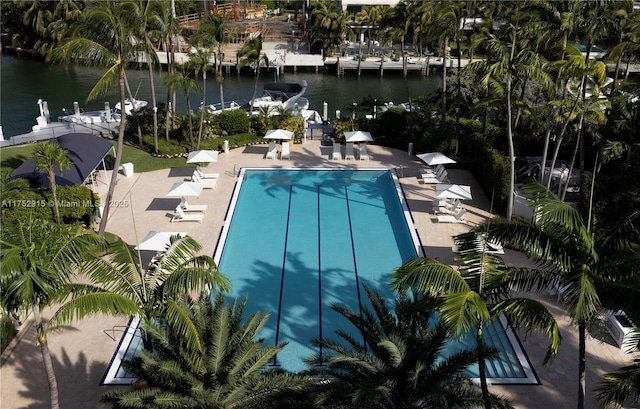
(82, 351)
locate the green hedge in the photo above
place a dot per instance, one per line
(7, 331)
(491, 170)
(234, 121)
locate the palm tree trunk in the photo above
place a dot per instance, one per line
(443, 120)
(54, 194)
(190, 122)
(135, 110)
(46, 357)
(582, 378)
(458, 98)
(203, 107)
(512, 154)
(545, 149)
(116, 165)
(482, 370)
(563, 193)
(155, 109)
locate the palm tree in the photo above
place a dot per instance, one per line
(476, 295)
(120, 285)
(570, 256)
(201, 61)
(49, 157)
(396, 362)
(181, 80)
(213, 33)
(250, 56)
(37, 260)
(331, 26)
(509, 61)
(103, 39)
(223, 367)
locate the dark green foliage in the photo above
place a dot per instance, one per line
(394, 124)
(7, 331)
(77, 203)
(294, 124)
(25, 205)
(225, 366)
(234, 121)
(491, 169)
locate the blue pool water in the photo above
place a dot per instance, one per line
(296, 241)
(301, 240)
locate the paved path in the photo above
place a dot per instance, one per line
(82, 351)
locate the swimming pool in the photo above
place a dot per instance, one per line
(298, 240)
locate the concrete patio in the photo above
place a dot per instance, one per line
(82, 351)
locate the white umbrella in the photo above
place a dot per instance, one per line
(435, 158)
(279, 134)
(184, 189)
(358, 136)
(158, 240)
(202, 156)
(447, 191)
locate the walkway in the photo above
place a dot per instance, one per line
(82, 351)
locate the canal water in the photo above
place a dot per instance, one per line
(24, 80)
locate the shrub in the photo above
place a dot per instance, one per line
(25, 205)
(234, 121)
(294, 124)
(7, 331)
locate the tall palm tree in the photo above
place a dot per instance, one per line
(396, 361)
(120, 285)
(570, 256)
(476, 295)
(181, 80)
(37, 260)
(250, 55)
(103, 39)
(200, 61)
(213, 33)
(223, 368)
(331, 26)
(49, 157)
(509, 61)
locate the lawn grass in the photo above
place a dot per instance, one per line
(13, 156)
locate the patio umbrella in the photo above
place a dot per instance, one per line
(202, 156)
(358, 136)
(184, 189)
(435, 158)
(448, 191)
(279, 134)
(158, 240)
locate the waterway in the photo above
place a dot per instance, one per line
(24, 80)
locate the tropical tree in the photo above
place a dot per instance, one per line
(396, 362)
(181, 80)
(120, 285)
(250, 56)
(220, 365)
(509, 61)
(570, 256)
(331, 26)
(37, 261)
(200, 61)
(50, 157)
(103, 39)
(476, 295)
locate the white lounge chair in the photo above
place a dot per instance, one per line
(204, 175)
(364, 155)
(206, 183)
(458, 218)
(348, 151)
(437, 170)
(445, 206)
(337, 154)
(271, 151)
(182, 217)
(193, 208)
(285, 154)
(440, 177)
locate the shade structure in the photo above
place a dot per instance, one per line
(202, 156)
(158, 240)
(358, 136)
(278, 134)
(185, 189)
(435, 158)
(448, 191)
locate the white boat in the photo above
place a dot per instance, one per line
(128, 105)
(283, 94)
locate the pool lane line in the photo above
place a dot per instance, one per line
(284, 261)
(353, 252)
(319, 282)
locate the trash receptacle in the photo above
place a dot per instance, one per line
(127, 169)
(410, 150)
(226, 147)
